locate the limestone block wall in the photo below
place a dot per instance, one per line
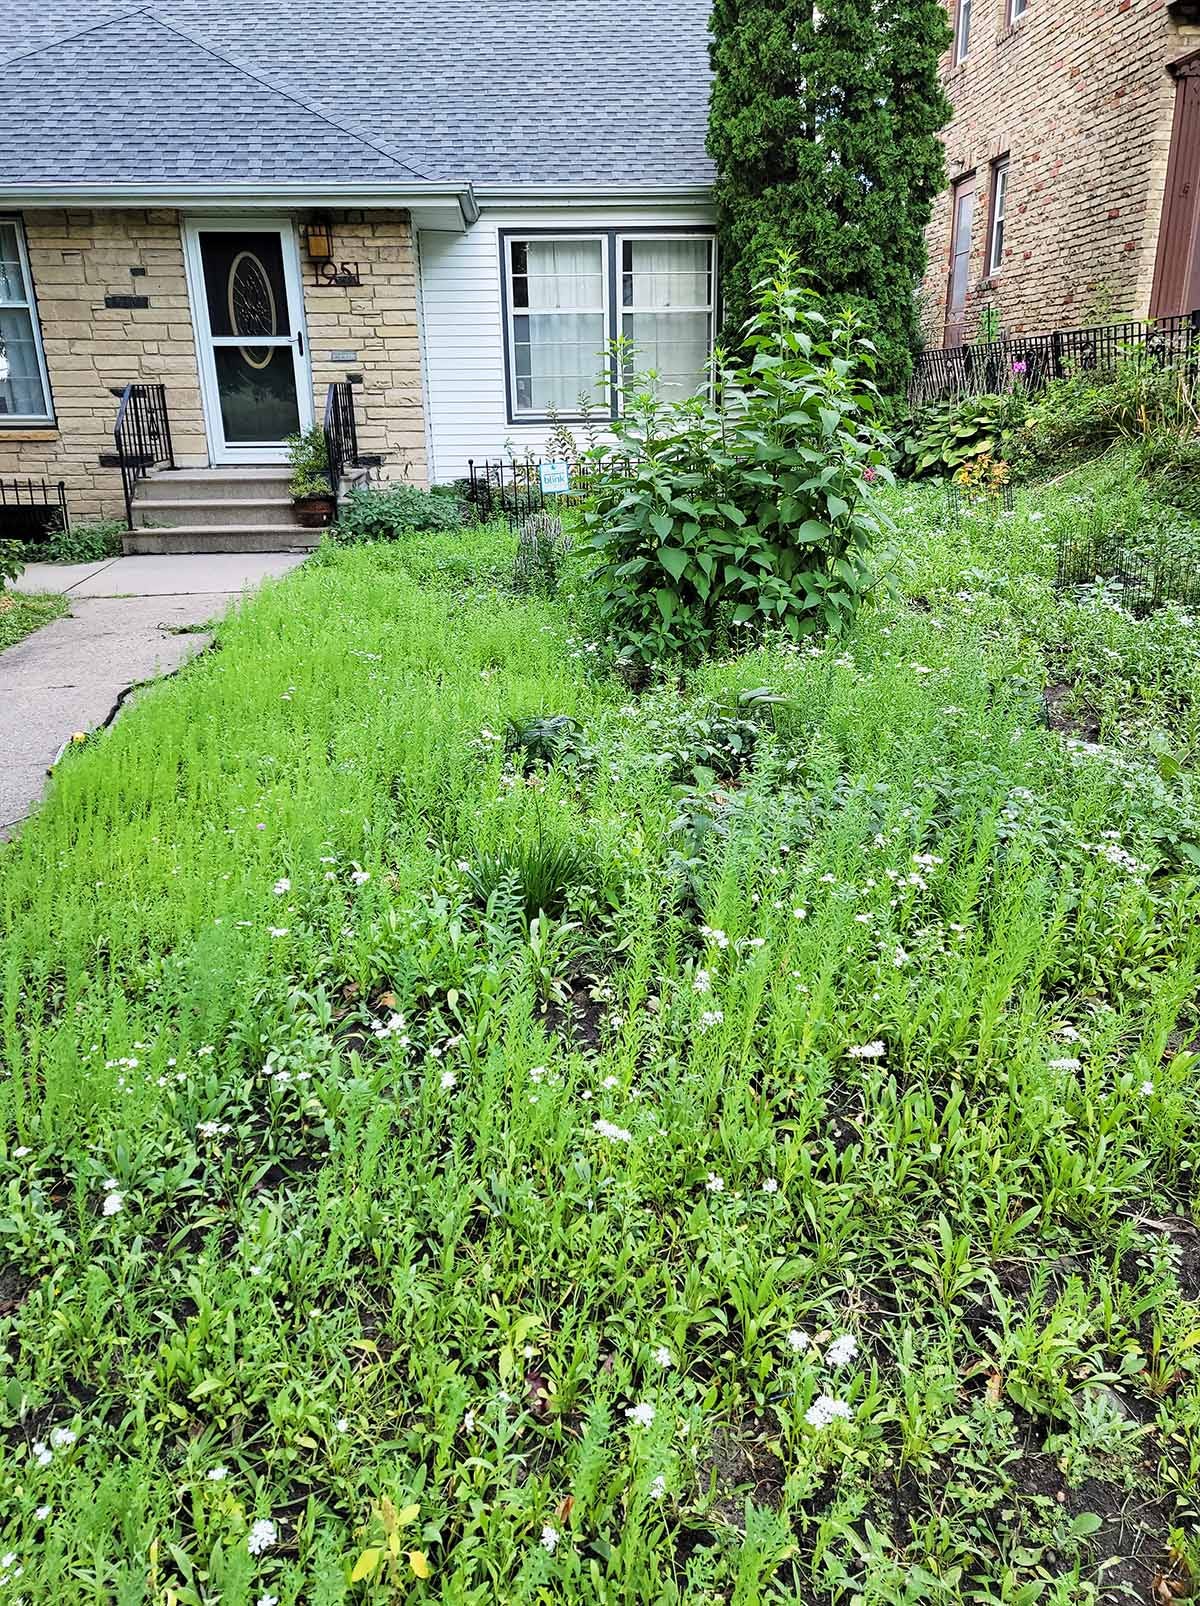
(77, 259)
(1077, 96)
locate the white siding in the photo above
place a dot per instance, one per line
(463, 333)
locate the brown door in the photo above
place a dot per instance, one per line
(962, 215)
(1177, 268)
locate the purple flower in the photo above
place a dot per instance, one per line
(868, 474)
(1018, 366)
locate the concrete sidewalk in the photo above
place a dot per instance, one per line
(123, 628)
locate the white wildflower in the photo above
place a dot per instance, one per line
(281, 886)
(642, 1414)
(663, 1356)
(614, 1134)
(113, 1203)
(1146, 1089)
(1064, 1065)
(217, 1474)
(873, 1050)
(549, 1538)
(449, 1080)
(262, 1536)
(658, 1487)
(770, 1185)
(842, 1350)
(702, 983)
(798, 1341)
(825, 1409)
(359, 876)
(715, 1184)
(62, 1438)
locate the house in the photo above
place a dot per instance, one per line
(426, 216)
(1072, 156)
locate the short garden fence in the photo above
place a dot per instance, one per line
(514, 487)
(1140, 579)
(1033, 360)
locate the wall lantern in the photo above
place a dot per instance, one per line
(318, 240)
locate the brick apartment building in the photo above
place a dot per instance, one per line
(1074, 165)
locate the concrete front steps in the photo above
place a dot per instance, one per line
(216, 510)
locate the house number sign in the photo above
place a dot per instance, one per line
(340, 273)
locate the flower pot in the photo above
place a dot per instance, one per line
(314, 512)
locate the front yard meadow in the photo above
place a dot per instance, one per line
(476, 1131)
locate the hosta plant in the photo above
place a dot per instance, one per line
(751, 511)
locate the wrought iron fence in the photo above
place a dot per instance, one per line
(31, 509)
(1140, 579)
(341, 433)
(143, 437)
(514, 487)
(1033, 360)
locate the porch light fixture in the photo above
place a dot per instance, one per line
(318, 239)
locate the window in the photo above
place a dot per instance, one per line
(569, 295)
(996, 228)
(1017, 9)
(24, 390)
(667, 310)
(962, 30)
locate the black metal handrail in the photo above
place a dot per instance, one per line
(142, 436)
(1033, 360)
(341, 433)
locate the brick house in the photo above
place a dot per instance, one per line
(443, 209)
(1073, 157)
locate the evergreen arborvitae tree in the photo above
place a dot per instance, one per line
(824, 127)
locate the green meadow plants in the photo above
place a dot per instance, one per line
(470, 1133)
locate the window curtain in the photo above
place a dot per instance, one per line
(21, 389)
(558, 346)
(667, 300)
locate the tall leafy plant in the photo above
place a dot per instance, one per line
(823, 125)
(752, 511)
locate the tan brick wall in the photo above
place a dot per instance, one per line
(77, 258)
(1078, 96)
(377, 322)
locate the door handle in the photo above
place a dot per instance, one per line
(300, 340)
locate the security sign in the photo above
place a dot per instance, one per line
(554, 475)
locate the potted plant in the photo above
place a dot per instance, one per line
(312, 493)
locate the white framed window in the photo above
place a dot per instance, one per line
(558, 322)
(568, 295)
(962, 31)
(996, 232)
(667, 307)
(24, 385)
(1017, 9)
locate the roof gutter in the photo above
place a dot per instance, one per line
(247, 196)
(625, 194)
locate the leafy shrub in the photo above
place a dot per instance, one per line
(309, 456)
(382, 514)
(545, 739)
(753, 511)
(82, 543)
(12, 563)
(941, 438)
(713, 741)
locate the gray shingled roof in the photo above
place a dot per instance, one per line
(480, 91)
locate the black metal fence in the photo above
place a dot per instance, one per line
(1033, 360)
(1139, 578)
(32, 509)
(143, 437)
(514, 487)
(341, 433)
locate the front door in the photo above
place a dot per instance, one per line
(249, 318)
(962, 216)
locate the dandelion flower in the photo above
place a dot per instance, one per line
(262, 1536)
(642, 1414)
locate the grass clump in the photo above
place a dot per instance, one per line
(22, 613)
(413, 1183)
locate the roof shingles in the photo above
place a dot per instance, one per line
(243, 91)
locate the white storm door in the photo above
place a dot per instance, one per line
(248, 311)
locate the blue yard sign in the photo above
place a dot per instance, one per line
(554, 475)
